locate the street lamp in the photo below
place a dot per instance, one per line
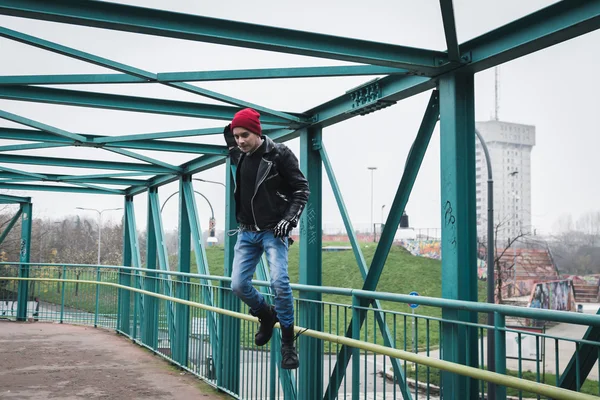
(99, 224)
(207, 181)
(372, 227)
(491, 298)
(211, 222)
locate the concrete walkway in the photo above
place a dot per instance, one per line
(53, 361)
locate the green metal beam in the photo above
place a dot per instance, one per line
(198, 76)
(104, 62)
(14, 199)
(38, 125)
(450, 30)
(232, 33)
(582, 362)
(182, 312)
(131, 258)
(147, 159)
(73, 53)
(201, 261)
(67, 162)
(149, 328)
(11, 224)
(31, 146)
(93, 179)
(104, 189)
(229, 327)
(57, 188)
(163, 260)
(371, 277)
(278, 73)
(138, 142)
(126, 103)
(23, 288)
(23, 173)
(71, 79)
(459, 229)
(310, 314)
(554, 24)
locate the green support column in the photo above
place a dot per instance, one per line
(310, 314)
(229, 327)
(459, 231)
(23, 295)
(124, 301)
(150, 304)
(182, 312)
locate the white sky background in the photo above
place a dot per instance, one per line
(553, 89)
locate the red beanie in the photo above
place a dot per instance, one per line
(249, 119)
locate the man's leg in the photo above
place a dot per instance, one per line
(248, 249)
(277, 255)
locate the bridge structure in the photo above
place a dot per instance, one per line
(154, 305)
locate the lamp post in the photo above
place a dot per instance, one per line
(99, 224)
(491, 359)
(211, 222)
(372, 227)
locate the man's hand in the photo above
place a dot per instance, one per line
(229, 139)
(283, 228)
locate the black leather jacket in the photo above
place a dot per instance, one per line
(280, 191)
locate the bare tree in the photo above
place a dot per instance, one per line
(503, 267)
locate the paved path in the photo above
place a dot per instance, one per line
(53, 361)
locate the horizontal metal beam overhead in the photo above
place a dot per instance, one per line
(57, 188)
(278, 73)
(22, 173)
(126, 103)
(38, 125)
(141, 157)
(204, 76)
(75, 163)
(117, 66)
(69, 79)
(7, 198)
(68, 179)
(31, 146)
(212, 30)
(544, 28)
(132, 142)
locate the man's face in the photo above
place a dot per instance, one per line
(246, 140)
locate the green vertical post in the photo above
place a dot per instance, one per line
(23, 294)
(356, 316)
(459, 231)
(182, 312)
(229, 327)
(500, 352)
(149, 326)
(124, 301)
(310, 376)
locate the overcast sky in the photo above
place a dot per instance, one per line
(554, 89)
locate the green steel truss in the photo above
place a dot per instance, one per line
(401, 72)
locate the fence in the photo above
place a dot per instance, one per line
(197, 323)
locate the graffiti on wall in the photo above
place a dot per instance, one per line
(423, 248)
(554, 295)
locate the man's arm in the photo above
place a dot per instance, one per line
(291, 173)
(234, 151)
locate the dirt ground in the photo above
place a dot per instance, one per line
(52, 361)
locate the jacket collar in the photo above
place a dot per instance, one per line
(269, 144)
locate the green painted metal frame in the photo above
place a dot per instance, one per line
(23, 289)
(408, 72)
(310, 376)
(459, 229)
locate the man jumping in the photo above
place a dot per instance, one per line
(270, 194)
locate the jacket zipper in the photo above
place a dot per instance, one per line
(256, 190)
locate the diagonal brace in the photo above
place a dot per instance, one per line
(11, 224)
(415, 157)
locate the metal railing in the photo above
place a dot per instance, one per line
(205, 330)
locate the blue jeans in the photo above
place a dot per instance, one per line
(248, 250)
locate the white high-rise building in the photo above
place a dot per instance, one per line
(510, 148)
